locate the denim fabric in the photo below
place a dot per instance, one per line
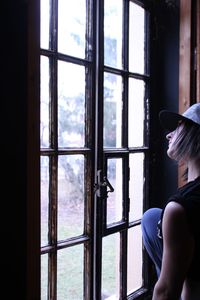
(152, 243)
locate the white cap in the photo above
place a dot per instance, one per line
(169, 120)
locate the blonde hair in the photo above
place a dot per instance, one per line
(188, 142)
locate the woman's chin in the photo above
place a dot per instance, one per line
(170, 154)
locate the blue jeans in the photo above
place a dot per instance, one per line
(153, 244)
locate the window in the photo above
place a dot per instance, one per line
(94, 148)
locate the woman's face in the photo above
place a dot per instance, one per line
(171, 137)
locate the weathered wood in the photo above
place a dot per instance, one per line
(198, 51)
(184, 64)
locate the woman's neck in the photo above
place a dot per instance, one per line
(193, 169)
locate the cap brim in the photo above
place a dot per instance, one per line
(169, 120)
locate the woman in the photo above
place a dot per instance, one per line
(172, 235)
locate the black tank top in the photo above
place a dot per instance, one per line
(189, 197)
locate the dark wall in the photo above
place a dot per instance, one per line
(164, 94)
(13, 66)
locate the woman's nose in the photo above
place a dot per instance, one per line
(169, 135)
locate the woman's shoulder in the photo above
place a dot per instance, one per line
(175, 224)
(174, 210)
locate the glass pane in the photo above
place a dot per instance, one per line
(72, 27)
(113, 33)
(44, 23)
(114, 200)
(44, 173)
(110, 267)
(112, 110)
(134, 259)
(70, 273)
(70, 196)
(71, 105)
(44, 276)
(136, 113)
(44, 102)
(136, 38)
(136, 185)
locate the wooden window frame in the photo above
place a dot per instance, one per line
(189, 60)
(33, 153)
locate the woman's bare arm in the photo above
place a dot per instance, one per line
(178, 247)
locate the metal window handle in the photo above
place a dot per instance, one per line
(107, 183)
(99, 187)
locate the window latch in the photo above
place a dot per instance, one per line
(103, 185)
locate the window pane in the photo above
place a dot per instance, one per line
(44, 102)
(72, 27)
(113, 33)
(110, 267)
(136, 38)
(70, 196)
(136, 113)
(71, 105)
(44, 23)
(112, 110)
(136, 186)
(70, 273)
(114, 200)
(44, 276)
(44, 165)
(134, 259)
